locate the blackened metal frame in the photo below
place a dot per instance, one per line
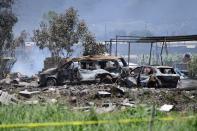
(151, 40)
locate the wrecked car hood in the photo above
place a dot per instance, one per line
(49, 71)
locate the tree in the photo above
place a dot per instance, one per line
(91, 47)
(7, 21)
(193, 67)
(20, 40)
(60, 32)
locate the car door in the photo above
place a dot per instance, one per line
(88, 70)
(136, 74)
(65, 72)
(145, 74)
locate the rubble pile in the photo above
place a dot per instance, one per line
(105, 97)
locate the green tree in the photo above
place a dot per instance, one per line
(7, 21)
(91, 47)
(193, 67)
(20, 40)
(60, 32)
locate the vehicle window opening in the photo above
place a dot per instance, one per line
(83, 65)
(88, 65)
(147, 71)
(102, 64)
(167, 71)
(111, 64)
(136, 71)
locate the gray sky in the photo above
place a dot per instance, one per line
(162, 17)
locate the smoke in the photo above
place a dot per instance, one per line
(29, 60)
(161, 17)
(107, 18)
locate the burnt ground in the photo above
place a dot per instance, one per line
(84, 96)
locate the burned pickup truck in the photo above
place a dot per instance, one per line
(155, 76)
(86, 69)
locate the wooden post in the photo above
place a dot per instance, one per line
(150, 55)
(129, 52)
(151, 122)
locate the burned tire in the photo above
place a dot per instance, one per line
(51, 82)
(107, 79)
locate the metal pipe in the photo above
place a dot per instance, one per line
(110, 47)
(156, 54)
(116, 46)
(150, 55)
(129, 52)
(162, 53)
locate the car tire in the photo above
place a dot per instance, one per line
(51, 82)
(107, 79)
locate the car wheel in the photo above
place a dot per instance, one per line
(51, 82)
(106, 79)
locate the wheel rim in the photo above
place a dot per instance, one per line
(50, 82)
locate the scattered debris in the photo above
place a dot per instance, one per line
(118, 91)
(166, 108)
(27, 93)
(73, 99)
(103, 94)
(107, 107)
(130, 82)
(5, 81)
(51, 101)
(127, 103)
(109, 97)
(87, 108)
(33, 102)
(7, 99)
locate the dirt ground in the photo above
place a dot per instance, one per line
(188, 83)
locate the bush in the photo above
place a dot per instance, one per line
(193, 67)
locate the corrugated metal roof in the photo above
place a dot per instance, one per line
(154, 39)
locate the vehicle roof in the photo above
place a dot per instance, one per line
(88, 58)
(155, 66)
(96, 58)
(163, 67)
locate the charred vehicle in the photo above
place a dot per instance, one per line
(155, 76)
(86, 69)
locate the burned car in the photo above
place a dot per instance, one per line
(156, 76)
(85, 69)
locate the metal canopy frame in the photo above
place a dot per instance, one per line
(149, 40)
